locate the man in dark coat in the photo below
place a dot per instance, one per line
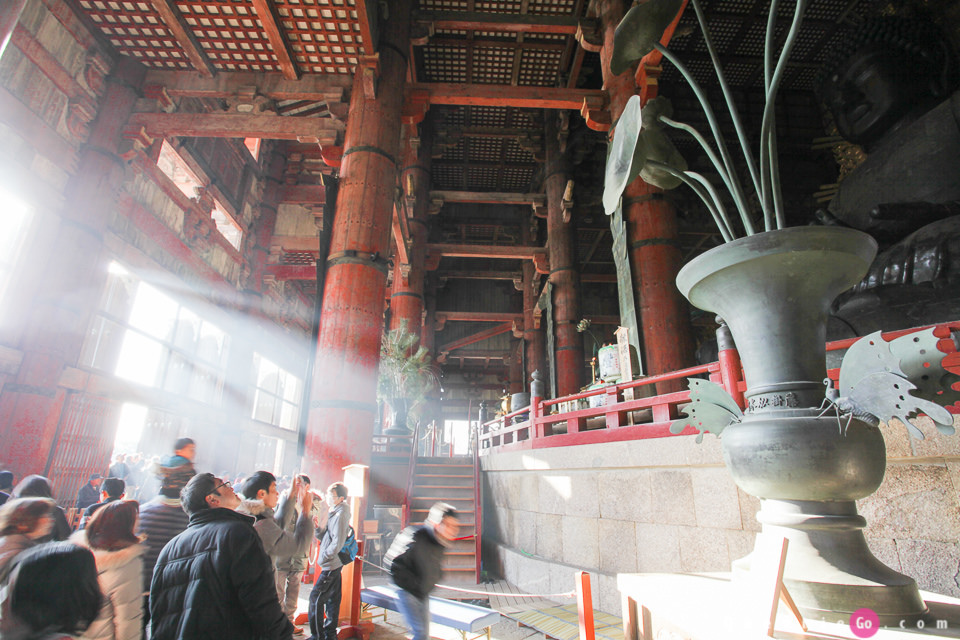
(415, 561)
(111, 490)
(89, 493)
(214, 580)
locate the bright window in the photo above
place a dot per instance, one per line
(277, 396)
(143, 335)
(14, 224)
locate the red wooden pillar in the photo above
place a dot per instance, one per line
(654, 249)
(564, 272)
(67, 286)
(406, 301)
(343, 396)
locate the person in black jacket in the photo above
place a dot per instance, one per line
(112, 490)
(214, 580)
(415, 561)
(89, 493)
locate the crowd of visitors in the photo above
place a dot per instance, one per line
(194, 561)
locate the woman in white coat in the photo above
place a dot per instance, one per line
(119, 555)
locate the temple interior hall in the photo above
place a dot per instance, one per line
(520, 256)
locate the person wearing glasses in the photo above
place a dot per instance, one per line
(214, 580)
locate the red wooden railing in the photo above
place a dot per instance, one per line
(620, 418)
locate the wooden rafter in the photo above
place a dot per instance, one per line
(489, 197)
(477, 337)
(485, 251)
(270, 22)
(494, 95)
(220, 125)
(184, 36)
(483, 21)
(315, 87)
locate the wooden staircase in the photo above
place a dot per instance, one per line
(450, 480)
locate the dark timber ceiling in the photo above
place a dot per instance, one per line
(495, 44)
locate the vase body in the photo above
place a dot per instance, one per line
(774, 290)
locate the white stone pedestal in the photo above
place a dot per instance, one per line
(665, 606)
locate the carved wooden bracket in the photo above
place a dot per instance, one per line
(415, 107)
(518, 284)
(137, 141)
(370, 70)
(421, 32)
(404, 274)
(435, 205)
(539, 210)
(96, 70)
(81, 111)
(159, 93)
(332, 156)
(439, 322)
(595, 112)
(541, 262)
(518, 328)
(566, 203)
(589, 35)
(432, 261)
(648, 79)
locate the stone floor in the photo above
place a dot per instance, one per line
(393, 628)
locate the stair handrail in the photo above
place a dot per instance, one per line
(411, 470)
(477, 504)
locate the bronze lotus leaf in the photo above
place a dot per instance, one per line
(640, 30)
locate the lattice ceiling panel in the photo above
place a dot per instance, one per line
(443, 5)
(500, 6)
(539, 68)
(486, 149)
(136, 30)
(447, 176)
(324, 35)
(445, 63)
(517, 179)
(552, 7)
(483, 178)
(492, 65)
(488, 116)
(514, 153)
(230, 34)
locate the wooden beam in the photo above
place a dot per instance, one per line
(479, 354)
(482, 21)
(315, 87)
(401, 234)
(500, 95)
(481, 275)
(598, 278)
(282, 272)
(367, 24)
(489, 197)
(477, 337)
(515, 252)
(478, 316)
(225, 125)
(295, 243)
(482, 43)
(270, 22)
(182, 33)
(301, 194)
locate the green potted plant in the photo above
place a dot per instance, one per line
(407, 375)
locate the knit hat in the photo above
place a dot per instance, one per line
(6, 479)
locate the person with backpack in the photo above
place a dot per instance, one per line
(324, 611)
(415, 562)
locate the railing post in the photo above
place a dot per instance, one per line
(537, 390)
(730, 368)
(585, 606)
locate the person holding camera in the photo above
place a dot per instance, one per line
(325, 596)
(290, 512)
